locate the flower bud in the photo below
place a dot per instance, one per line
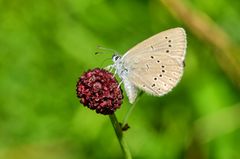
(98, 90)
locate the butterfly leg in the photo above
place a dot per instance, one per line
(115, 72)
(109, 68)
(119, 85)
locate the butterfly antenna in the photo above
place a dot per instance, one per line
(112, 51)
(107, 49)
(96, 53)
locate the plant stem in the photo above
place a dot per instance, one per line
(119, 133)
(129, 112)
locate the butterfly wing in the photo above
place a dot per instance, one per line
(157, 75)
(156, 64)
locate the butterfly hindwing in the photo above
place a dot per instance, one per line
(155, 74)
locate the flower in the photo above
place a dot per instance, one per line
(98, 90)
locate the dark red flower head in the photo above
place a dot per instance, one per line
(98, 90)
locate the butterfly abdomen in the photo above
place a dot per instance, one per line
(131, 90)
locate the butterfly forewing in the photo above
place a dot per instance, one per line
(172, 41)
(156, 64)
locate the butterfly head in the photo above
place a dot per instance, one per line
(116, 58)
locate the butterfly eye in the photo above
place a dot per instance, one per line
(115, 57)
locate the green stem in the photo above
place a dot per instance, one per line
(129, 112)
(119, 133)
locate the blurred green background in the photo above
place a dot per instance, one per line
(46, 45)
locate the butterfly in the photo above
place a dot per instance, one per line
(154, 66)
